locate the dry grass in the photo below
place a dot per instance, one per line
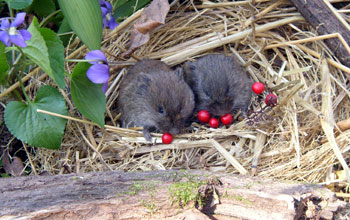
(297, 144)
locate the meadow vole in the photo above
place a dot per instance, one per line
(155, 97)
(219, 83)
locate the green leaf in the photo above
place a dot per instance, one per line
(87, 96)
(34, 128)
(85, 18)
(45, 49)
(119, 3)
(56, 55)
(64, 28)
(125, 8)
(4, 66)
(19, 4)
(43, 7)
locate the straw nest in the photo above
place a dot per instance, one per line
(296, 143)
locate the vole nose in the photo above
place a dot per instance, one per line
(221, 110)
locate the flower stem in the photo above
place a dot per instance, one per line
(23, 89)
(42, 23)
(13, 68)
(10, 9)
(19, 76)
(81, 61)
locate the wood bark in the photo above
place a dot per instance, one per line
(145, 195)
(326, 20)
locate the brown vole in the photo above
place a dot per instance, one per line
(219, 83)
(155, 97)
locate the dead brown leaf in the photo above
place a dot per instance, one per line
(137, 39)
(15, 168)
(151, 17)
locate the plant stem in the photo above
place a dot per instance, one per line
(17, 94)
(81, 61)
(66, 33)
(19, 77)
(23, 89)
(13, 68)
(48, 17)
(10, 10)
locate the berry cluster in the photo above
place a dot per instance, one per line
(252, 116)
(270, 101)
(204, 116)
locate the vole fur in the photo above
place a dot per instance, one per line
(220, 84)
(155, 97)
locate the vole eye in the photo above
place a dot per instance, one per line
(160, 110)
(227, 90)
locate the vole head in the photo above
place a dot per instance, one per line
(167, 99)
(219, 83)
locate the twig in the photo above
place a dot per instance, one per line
(327, 122)
(29, 158)
(311, 39)
(330, 61)
(295, 89)
(183, 55)
(84, 121)
(258, 147)
(229, 157)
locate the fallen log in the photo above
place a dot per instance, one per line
(161, 195)
(324, 18)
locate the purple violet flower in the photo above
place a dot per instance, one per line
(107, 13)
(9, 33)
(99, 71)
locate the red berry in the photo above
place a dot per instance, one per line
(203, 116)
(167, 138)
(226, 119)
(258, 87)
(271, 100)
(214, 123)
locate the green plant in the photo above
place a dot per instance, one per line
(187, 191)
(23, 49)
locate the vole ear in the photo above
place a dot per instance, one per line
(143, 82)
(189, 67)
(144, 77)
(179, 72)
(189, 75)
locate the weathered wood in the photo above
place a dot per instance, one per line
(118, 195)
(326, 20)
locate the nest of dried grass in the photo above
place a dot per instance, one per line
(290, 146)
